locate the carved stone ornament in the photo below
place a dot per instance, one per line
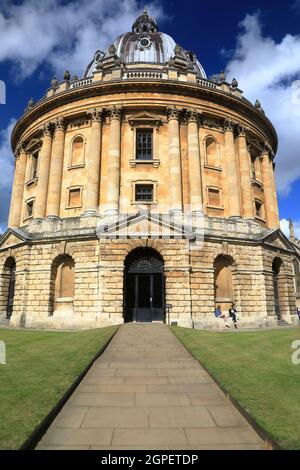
(116, 113)
(229, 125)
(60, 123)
(193, 116)
(267, 149)
(173, 113)
(241, 129)
(21, 148)
(96, 115)
(47, 129)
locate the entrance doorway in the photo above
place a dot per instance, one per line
(144, 286)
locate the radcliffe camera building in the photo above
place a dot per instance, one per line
(106, 169)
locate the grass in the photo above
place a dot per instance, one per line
(256, 368)
(40, 368)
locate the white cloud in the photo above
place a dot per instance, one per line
(7, 169)
(284, 225)
(63, 35)
(266, 69)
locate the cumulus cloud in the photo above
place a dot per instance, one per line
(267, 70)
(62, 35)
(7, 169)
(284, 225)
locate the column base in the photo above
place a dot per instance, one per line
(90, 213)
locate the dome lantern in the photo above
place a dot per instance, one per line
(144, 24)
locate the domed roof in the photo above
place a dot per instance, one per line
(145, 44)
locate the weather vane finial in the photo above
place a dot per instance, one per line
(145, 12)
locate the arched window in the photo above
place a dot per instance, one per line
(62, 287)
(77, 155)
(211, 152)
(9, 285)
(223, 281)
(64, 282)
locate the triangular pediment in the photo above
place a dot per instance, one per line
(144, 117)
(11, 238)
(278, 240)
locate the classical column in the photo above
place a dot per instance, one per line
(43, 175)
(18, 187)
(93, 163)
(269, 188)
(272, 167)
(196, 196)
(114, 157)
(175, 183)
(245, 174)
(56, 169)
(234, 209)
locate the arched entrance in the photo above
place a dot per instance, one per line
(10, 269)
(278, 286)
(144, 286)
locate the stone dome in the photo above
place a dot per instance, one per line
(146, 45)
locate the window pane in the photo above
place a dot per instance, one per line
(144, 192)
(74, 197)
(144, 144)
(214, 197)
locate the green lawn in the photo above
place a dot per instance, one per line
(256, 368)
(40, 367)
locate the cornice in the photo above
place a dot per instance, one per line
(244, 107)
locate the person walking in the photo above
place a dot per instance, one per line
(219, 314)
(233, 315)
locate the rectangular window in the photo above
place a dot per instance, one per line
(144, 144)
(34, 165)
(74, 197)
(214, 198)
(258, 209)
(29, 209)
(144, 192)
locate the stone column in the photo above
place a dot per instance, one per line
(196, 196)
(234, 209)
(43, 175)
(245, 174)
(175, 183)
(114, 157)
(18, 187)
(56, 169)
(272, 167)
(93, 163)
(269, 188)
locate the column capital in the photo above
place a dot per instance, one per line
(115, 113)
(21, 148)
(241, 130)
(95, 114)
(229, 125)
(60, 123)
(173, 113)
(192, 115)
(47, 129)
(267, 150)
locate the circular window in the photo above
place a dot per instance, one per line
(145, 42)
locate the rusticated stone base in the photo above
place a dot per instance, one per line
(189, 275)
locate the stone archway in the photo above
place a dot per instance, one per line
(144, 286)
(62, 285)
(278, 285)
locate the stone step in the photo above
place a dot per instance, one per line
(282, 323)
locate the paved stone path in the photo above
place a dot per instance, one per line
(147, 392)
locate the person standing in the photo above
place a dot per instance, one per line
(233, 315)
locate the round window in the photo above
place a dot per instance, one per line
(145, 42)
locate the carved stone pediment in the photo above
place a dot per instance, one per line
(144, 118)
(12, 238)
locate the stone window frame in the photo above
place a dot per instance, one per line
(262, 217)
(69, 189)
(210, 206)
(145, 121)
(28, 201)
(77, 165)
(144, 182)
(218, 166)
(32, 149)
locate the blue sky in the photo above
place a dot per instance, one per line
(257, 42)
